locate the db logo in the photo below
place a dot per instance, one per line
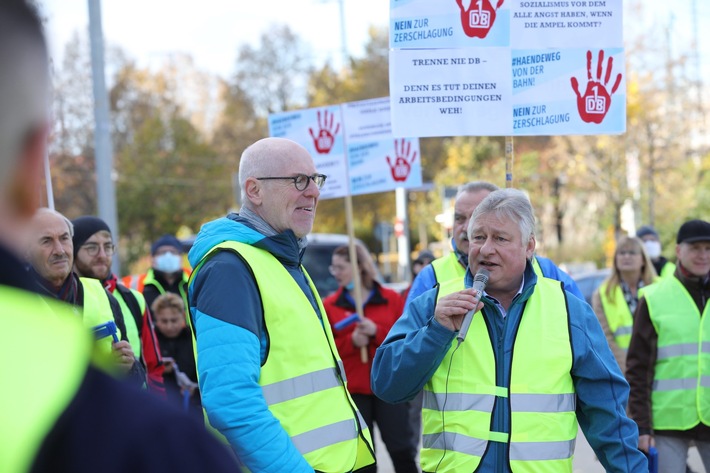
(477, 16)
(596, 101)
(327, 129)
(404, 158)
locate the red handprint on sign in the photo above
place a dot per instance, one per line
(326, 135)
(596, 101)
(477, 22)
(402, 164)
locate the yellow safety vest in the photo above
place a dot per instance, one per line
(458, 404)
(303, 379)
(447, 268)
(132, 330)
(42, 381)
(680, 398)
(618, 316)
(97, 310)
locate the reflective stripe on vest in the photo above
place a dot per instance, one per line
(618, 316)
(301, 378)
(97, 310)
(680, 398)
(447, 268)
(541, 397)
(32, 326)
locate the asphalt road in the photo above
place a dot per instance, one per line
(584, 458)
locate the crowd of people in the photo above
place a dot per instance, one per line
(236, 364)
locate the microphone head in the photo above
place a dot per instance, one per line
(482, 275)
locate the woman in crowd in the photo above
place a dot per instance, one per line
(381, 308)
(617, 297)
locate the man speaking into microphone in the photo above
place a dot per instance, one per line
(533, 366)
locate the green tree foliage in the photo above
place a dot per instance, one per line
(169, 178)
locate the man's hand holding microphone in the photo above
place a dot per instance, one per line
(455, 311)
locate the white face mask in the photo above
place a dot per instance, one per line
(653, 248)
(168, 263)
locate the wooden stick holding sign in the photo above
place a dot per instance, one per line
(357, 281)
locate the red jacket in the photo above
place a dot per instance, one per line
(383, 306)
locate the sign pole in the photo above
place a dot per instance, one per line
(509, 155)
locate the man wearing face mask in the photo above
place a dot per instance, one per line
(166, 273)
(652, 243)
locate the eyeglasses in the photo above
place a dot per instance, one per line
(336, 268)
(301, 180)
(628, 253)
(92, 249)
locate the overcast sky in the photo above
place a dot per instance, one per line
(212, 31)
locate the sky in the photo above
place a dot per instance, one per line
(212, 31)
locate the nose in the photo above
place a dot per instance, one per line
(58, 248)
(487, 247)
(311, 189)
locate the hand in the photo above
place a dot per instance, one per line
(169, 364)
(477, 22)
(123, 353)
(403, 164)
(185, 383)
(326, 135)
(646, 442)
(367, 327)
(451, 309)
(596, 101)
(359, 338)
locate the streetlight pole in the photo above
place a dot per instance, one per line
(105, 190)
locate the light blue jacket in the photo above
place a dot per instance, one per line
(232, 343)
(417, 343)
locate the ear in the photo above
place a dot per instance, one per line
(253, 191)
(24, 189)
(530, 247)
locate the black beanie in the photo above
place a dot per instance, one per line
(84, 227)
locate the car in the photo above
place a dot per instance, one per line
(317, 259)
(589, 281)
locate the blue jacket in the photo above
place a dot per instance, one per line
(426, 279)
(417, 343)
(232, 344)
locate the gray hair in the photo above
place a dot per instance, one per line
(512, 204)
(476, 186)
(48, 211)
(24, 81)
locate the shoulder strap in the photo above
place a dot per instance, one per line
(130, 299)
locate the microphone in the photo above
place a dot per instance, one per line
(479, 283)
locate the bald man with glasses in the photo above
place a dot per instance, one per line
(269, 373)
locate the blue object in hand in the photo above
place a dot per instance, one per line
(351, 319)
(652, 456)
(105, 330)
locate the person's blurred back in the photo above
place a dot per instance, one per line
(58, 412)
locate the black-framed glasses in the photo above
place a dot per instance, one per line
(92, 249)
(301, 180)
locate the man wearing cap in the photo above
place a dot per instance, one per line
(652, 243)
(93, 250)
(166, 273)
(668, 362)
